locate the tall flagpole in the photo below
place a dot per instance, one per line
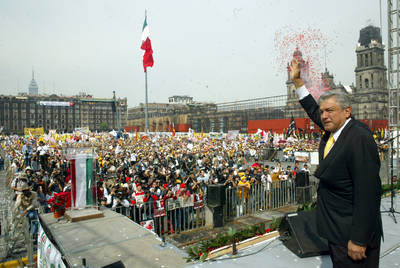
(146, 110)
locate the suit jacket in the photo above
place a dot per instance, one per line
(349, 192)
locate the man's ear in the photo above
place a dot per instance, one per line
(348, 112)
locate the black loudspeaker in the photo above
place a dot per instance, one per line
(302, 179)
(298, 232)
(117, 264)
(218, 216)
(303, 195)
(215, 195)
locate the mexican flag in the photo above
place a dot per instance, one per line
(82, 181)
(146, 46)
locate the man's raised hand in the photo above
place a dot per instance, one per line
(295, 73)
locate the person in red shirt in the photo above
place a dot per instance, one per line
(183, 212)
(137, 203)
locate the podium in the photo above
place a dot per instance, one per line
(83, 183)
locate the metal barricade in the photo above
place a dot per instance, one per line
(262, 197)
(172, 218)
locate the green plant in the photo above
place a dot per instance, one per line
(307, 206)
(275, 224)
(202, 249)
(195, 254)
(386, 188)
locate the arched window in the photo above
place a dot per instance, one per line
(360, 81)
(366, 59)
(366, 82)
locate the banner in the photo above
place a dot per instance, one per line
(302, 156)
(47, 254)
(81, 130)
(56, 103)
(314, 158)
(149, 225)
(34, 131)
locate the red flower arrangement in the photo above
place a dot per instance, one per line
(58, 203)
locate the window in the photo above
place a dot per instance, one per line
(366, 83)
(360, 81)
(366, 59)
(372, 80)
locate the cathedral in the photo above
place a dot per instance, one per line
(369, 94)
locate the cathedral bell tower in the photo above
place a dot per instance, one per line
(370, 75)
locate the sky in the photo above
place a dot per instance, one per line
(213, 50)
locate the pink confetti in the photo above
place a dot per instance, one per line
(308, 46)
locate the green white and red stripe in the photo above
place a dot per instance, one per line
(148, 60)
(82, 182)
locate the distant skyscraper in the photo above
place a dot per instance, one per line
(33, 87)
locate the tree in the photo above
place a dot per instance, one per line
(104, 126)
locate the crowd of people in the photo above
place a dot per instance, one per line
(135, 170)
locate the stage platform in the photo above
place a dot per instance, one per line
(276, 255)
(109, 239)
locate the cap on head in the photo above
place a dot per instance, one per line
(23, 176)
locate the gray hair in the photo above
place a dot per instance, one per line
(343, 99)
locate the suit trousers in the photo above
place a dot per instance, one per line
(340, 259)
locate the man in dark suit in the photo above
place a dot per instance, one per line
(348, 206)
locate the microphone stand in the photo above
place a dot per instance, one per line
(391, 211)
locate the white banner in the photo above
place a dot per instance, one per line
(314, 158)
(56, 103)
(47, 253)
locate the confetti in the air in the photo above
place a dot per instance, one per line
(310, 47)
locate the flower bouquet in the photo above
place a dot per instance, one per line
(58, 203)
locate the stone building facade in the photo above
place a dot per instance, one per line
(59, 112)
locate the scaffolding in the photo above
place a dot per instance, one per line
(394, 79)
(259, 103)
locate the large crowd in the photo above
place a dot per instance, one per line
(132, 169)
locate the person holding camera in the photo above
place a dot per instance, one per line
(25, 205)
(43, 154)
(56, 183)
(27, 151)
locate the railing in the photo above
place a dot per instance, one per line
(174, 217)
(15, 235)
(241, 201)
